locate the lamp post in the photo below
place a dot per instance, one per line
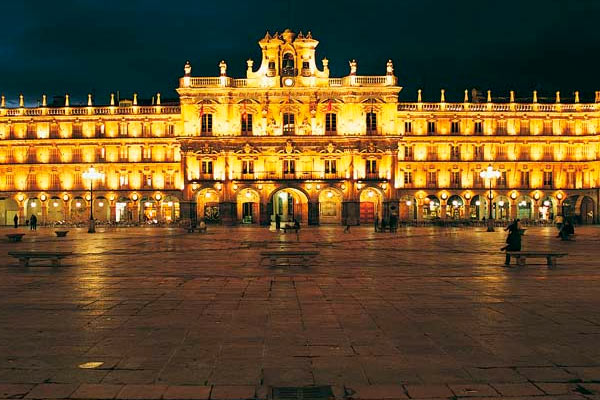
(92, 175)
(489, 174)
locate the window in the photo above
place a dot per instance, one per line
(288, 67)
(571, 179)
(524, 128)
(146, 130)
(501, 181)
(455, 153)
(548, 178)
(547, 127)
(330, 123)
(501, 127)
(169, 180)
(124, 153)
(207, 123)
(455, 127)
(432, 178)
(407, 126)
(478, 127)
(371, 123)
(123, 180)
(524, 179)
(10, 181)
(102, 153)
(247, 167)
(431, 152)
(289, 127)
(477, 179)
(148, 180)
(408, 178)
(455, 178)
(431, 127)
(330, 166)
(77, 131)
(54, 181)
(170, 130)
(207, 167)
(289, 166)
(371, 166)
(501, 152)
(246, 124)
(31, 131)
(148, 153)
(478, 153)
(408, 153)
(77, 155)
(123, 129)
(548, 153)
(54, 131)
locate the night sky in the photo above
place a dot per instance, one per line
(82, 46)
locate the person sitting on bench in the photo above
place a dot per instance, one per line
(513, 240)
(566, 230)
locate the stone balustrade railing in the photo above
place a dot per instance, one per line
(224, 81)
(499, 107)
(110, 110)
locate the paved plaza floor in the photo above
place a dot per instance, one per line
(152, 313)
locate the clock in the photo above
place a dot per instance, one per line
(288, 82)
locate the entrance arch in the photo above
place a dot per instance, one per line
(525, 208)
(478, 208)
(579, 208)
(547, 209)
(207, 201)
(248, 206)
(55, 210)
(101, 209)
(330, 206)
(586, 210)
(431, 207)
(501, 208)
(370, 205)
(455, 207)
(78, 209)
(148, 210)
(8, 209)
(170, 209)
(408, 208)
(33, 206)
(289, 204)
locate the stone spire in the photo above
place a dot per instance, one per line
(443, 96)
(489, 96)
(419, 96)
(21, 100)
(466, 100)
(158, 99)
(535, 100)
(66, 100)
(44, 100)
(577, 96)
(89, 99)
(2, 101)
(112, 99)
(512, 96)
(135, 99)
(558, 96)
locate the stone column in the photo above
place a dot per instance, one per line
(265, 213)
(113, 211)
(228, 212)
(44, 206)
(513, 209)
(443, 209)
(351, 213)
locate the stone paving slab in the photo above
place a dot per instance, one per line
(423, 313)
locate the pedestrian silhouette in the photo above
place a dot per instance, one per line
(16, 219)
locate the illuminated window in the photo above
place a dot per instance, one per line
(571, 179)
(148, 180)
(455, 153)
(207, 123)
(407, 127)
(501, 181)
(169, 180)
(371, 166)
(246, 124)
(408, 153)
(289, 127)
(477, 179)
(330, 166)
(455, 180)
(525, 179)
(371, 123)
(170, 130)
(432, 178)
(455, 127)
(77, 131)
(207, 167)
(54, 181)
(123, 129)
(123, 180)
(330, 123)
(289, 166)
(478, 127)
(102, 153)
(547, 127)
(501, 127)
(408, 178)
(548, 178)
(431, 129)
(548, 153)
(247, 167)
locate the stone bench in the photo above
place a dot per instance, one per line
(304, 256)
(15, 237)
(61, 233)
(193, 229)
(550, 256)
(25, 256)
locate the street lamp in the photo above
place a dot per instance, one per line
(92, 175)
(490, 173)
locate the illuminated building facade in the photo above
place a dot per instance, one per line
(290, 140)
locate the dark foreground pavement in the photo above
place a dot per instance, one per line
(426, 313)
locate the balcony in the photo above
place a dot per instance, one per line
(274, 176)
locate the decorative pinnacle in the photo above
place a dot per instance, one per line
(535, 99)
(466, 100)
(489, 96)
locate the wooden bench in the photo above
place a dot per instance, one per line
(25, 256)
(61, 233)
(303, 255)
(15, 237)
(550, 256)
(289, 228)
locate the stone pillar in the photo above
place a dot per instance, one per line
(21, 213)
(351, 213)
(136, 211)
(419, 206)
(113, 211)
(265, 213)
(44, 207)
(313, 213)
(443, 209)
(513, 209)
(228, 212)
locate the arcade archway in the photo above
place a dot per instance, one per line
(370, 205)
(8, 209)
(207, 201)
(330, 206)
(248, 206)
(289, 204)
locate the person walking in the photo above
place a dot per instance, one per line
(513, 240)
(16, 220)
(376, 221)
(566, 230)
(33, 223)
(347, 228)
(297, 229)
(277, 222)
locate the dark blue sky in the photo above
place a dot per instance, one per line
(79, 46)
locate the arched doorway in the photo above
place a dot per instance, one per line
(408, 208)
(579, 208)
(124, 209)
(289, 204)
(330, 206)
(431, 207)
(148, 210)
(101, 209)
(207, 201)
(586, 210)
(170, 209)
(478, 208)
(33, 206)
(547, 209)
(501, 208)
(248, 206)
(525, 208)
(78, 209)
(56, 211)
(455, 207)
(8, 209)
(370, 205)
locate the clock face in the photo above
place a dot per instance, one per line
(288, 82)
